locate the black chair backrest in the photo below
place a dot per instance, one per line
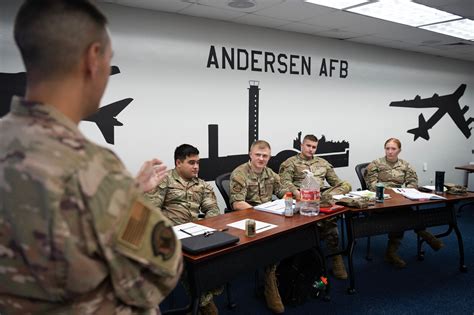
(223, 184)
(361, 169)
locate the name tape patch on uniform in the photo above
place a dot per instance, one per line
(135, 228)
(163, 241)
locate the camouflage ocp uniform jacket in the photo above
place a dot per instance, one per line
(292, 174)
(76, 237)
(255, 189)
(393, 175)
(181, 201)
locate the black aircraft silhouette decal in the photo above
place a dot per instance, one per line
(15, 84)
(446, 104)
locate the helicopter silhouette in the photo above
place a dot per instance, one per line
(446, 104)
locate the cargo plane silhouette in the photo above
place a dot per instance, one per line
(446, 104)
(15, 84)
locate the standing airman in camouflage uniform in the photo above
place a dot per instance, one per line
(251, 184)
(395, 173)
(182, 196)
(76, 237)
(292, 175)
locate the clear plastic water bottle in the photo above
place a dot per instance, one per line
(288, 204)
(310, 195)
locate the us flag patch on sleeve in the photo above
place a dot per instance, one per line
(134, 231)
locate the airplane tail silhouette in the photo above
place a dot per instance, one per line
(105, 118)
(460, 91)
(421, 130)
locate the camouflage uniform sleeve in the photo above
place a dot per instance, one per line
(279, 190)
(136, 241)
(238, 187)
(372, 175)
(157, 196)
(287, 170)
(209, 202)
(411, 179)
(331, 177)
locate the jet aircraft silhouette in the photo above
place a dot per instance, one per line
(446, 104)
(105, 118)
(15, 84)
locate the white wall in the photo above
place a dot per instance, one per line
(163, 59)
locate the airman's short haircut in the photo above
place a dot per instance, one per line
(183, 151)
(310, 138)
(260, 144)
(52, 35)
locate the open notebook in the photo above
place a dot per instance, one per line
(414, 194)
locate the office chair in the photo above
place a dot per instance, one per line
(360, 170)
(223, 184)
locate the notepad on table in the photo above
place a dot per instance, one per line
(415, 194)
(276, 206)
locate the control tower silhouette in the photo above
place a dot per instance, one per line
(336, 153)
(253, 111)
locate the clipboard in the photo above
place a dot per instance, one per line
(207, 241)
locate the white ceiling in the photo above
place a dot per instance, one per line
(299, 16)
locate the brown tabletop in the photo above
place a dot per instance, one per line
(468, 168)
(284, 225)
(399, 201)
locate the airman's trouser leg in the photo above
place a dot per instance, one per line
(206, 300)
(328, 232)
(435, 243)
(272, 296)
(391, 256)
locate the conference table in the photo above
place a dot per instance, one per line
(212, 269)
(209, 270)
(469, 168)
(401, 214)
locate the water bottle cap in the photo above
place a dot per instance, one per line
(289, 194)
(308, 172)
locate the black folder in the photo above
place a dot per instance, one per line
(207, 241)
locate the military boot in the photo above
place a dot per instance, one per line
(338, 268)
(391, 254)
(209, 309)
(272, 296)
(435, 243)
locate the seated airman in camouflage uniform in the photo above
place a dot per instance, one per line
(395, 173)
(251, 184)
(76, 235)
(182, 196)
(292, 175)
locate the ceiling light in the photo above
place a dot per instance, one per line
(404, 12)
(337, 4)
(460, 28)
(241, 4)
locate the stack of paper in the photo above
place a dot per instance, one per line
(259, 225)
(276, 206)
(190, 229)
(414, 194)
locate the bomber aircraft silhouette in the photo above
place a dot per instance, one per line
(15, 84)
(446, 104)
